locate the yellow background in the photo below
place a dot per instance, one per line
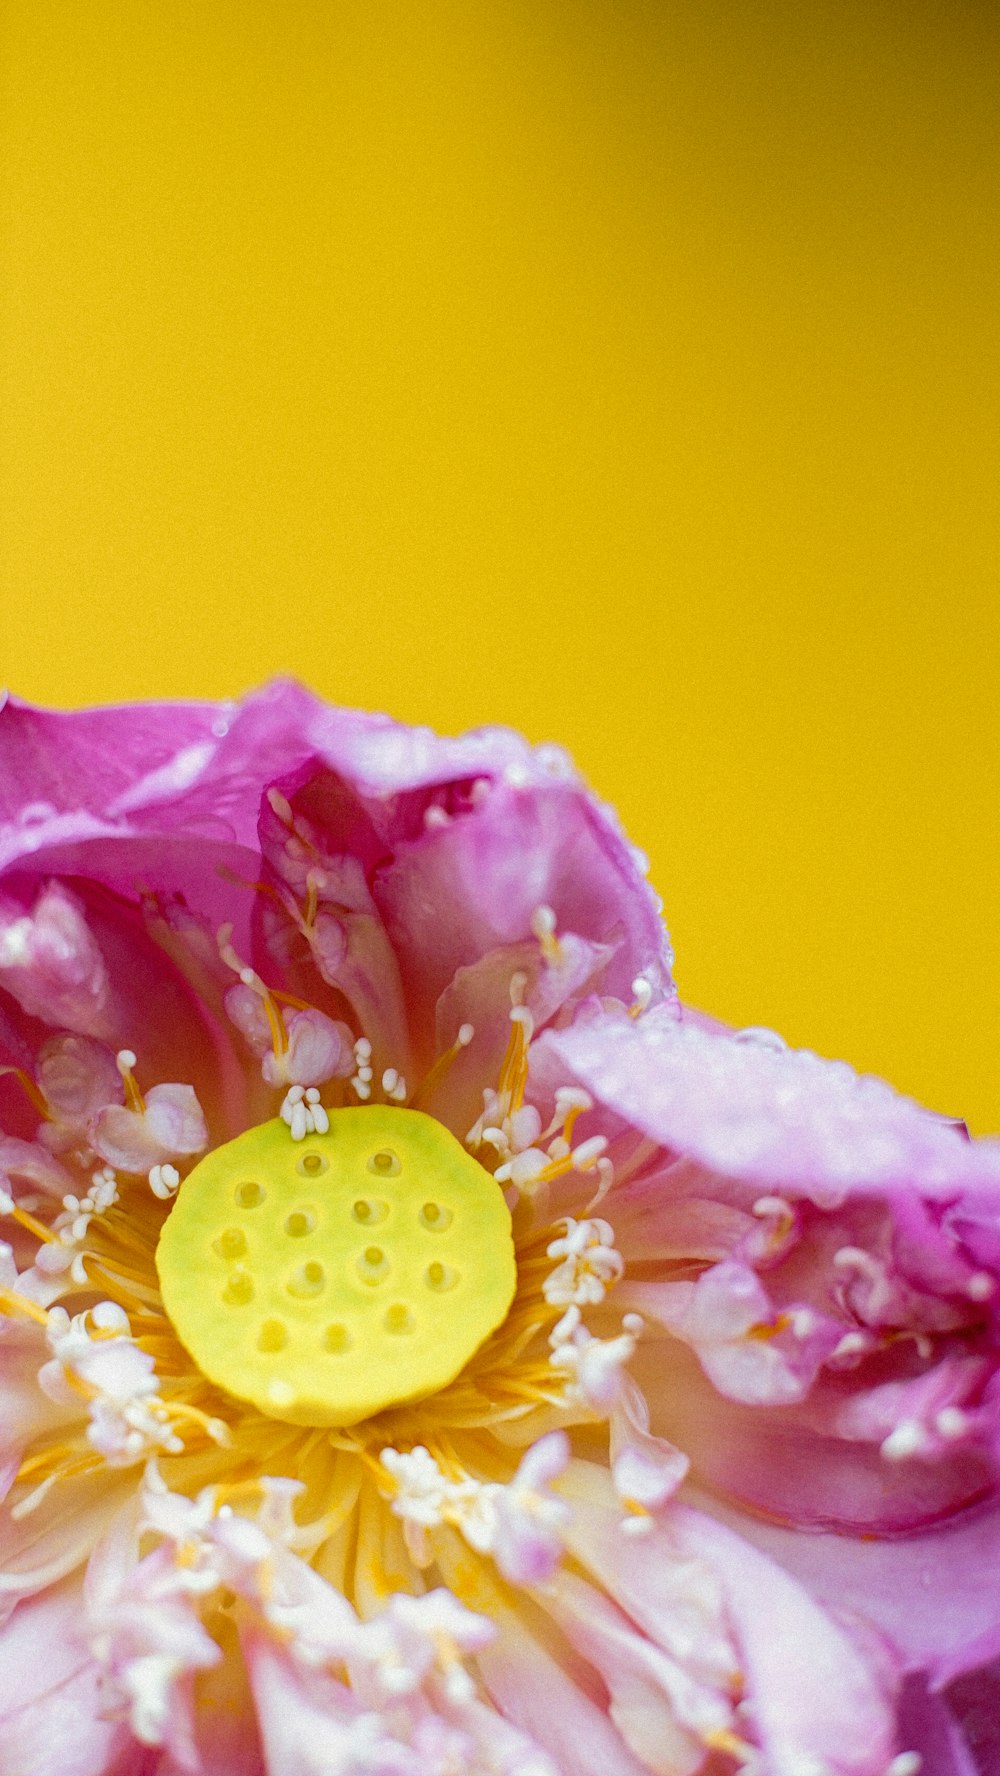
(623, 372)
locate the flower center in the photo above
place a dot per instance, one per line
(325, 1279)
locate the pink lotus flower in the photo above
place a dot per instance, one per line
(424, 1346)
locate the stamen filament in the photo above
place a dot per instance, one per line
(29, 1089)
(433, 1077)
(11, 1302)
(126, 1061)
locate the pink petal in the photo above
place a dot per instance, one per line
(778, 1119)
(479, 995)
(460, 891)
(311, 1724)
(814, 1695)
(934, 1595)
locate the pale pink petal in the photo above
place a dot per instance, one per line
(50, 1703)
(247, 1011)
(789, 1462)
(646, 1469)
(24, 1162)
(319, 1049)
(58, 1533)
(479, 997)
(750, 1352)
(51, 964)
(171, 1127)
(812, 1694)
(311, 1725)
(663, 1715)
(77, 1077)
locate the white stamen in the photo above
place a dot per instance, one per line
(642, 993)
(585, 1156)
(125, 1061)
(164, 1181)
(304, 1113)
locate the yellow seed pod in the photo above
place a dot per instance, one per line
(325, 1279)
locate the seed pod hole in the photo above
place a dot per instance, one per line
(369, 1211)
(250, 1195)
(435, 1217)
(312, 1165)
(385, 1163)
(299, 1223)
(273, 1336)
(440, 1278)
(307, 1281)
(239, 1289)
(230, 1244)
(398, 1318)
(373, 1265)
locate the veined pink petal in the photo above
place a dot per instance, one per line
(78, 1077)
(838, 1712)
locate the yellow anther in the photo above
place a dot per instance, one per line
(327, 1279)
